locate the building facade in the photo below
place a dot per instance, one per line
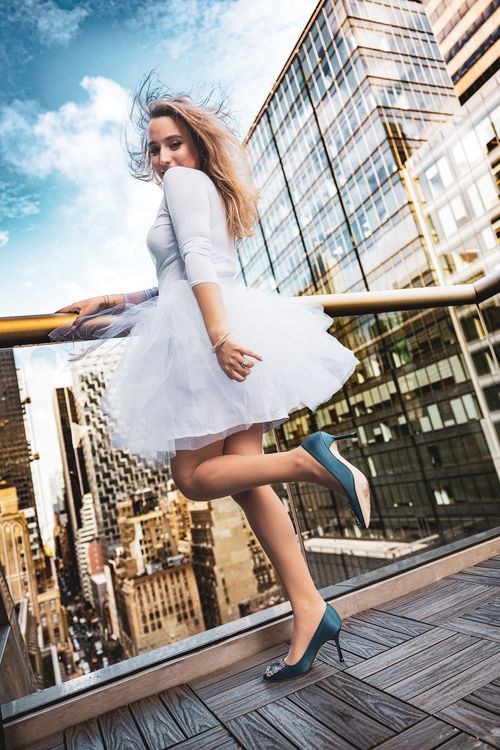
(467, 34)
(363, 89)
(16, 454)
(154, 594)
(113, 474)
(229, 571)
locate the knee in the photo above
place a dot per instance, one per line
(191, 490)
(184, 483)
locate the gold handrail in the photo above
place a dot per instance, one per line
(34, 329)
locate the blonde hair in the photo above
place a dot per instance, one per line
(222, 156)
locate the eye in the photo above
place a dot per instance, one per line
(153, 150)
(175, 145)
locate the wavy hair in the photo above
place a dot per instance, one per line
(222, 156)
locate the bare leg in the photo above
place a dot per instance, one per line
(236, 466)
(220, 476)
(274, 530)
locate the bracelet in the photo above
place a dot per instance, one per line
(106, 301)
(219, 342)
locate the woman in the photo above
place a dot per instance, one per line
(211, 364)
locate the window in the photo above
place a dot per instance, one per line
(459, 211)
(447, 222)
(475, 200)
(487, 190)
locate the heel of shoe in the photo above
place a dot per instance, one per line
(337, 643)
(347, 435)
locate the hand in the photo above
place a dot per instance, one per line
(84, 307)
(230, 355)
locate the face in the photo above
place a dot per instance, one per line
(170, 144)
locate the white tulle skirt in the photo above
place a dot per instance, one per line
(168, 391)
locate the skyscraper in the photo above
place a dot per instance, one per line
(467, 34)
(113, 475)
(76, 483)
(15, 451)
(363, 89)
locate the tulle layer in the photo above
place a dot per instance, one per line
(168, 391)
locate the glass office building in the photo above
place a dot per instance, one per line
(364, 88)
(455, 177)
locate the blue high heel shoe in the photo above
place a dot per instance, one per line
(328, 629)
(352, 480)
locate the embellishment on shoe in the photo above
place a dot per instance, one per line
(276, 666)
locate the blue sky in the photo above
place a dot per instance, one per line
(72, 221)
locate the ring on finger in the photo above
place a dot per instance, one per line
(244, 363)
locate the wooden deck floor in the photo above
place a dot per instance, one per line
(422, 672)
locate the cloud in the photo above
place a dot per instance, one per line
(101, 223)
(16, 204)
(4, 238)
(226, 42)
(54, 25)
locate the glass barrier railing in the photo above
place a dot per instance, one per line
(102, 556)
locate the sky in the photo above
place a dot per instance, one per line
(73, 221)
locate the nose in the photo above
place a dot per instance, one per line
(164, 156)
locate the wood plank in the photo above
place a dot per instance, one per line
(490, 564)
(373, 632)
(438, 673)
(398, 653)
(428, 658)
(481, 572)
(255, 732)
(262, 658)
(54, 742)
(304, 730)
(188, 710)
(476, 578)
(356, 644)
(258, 692)
(84, 736)
(395, 714)
(119, 730)
(487, 613)
(217, 738)
(473, 720)
(389, 621)
(328, 654)
(462, 608)
(487, 697)
(472, 627)
(464, 596)
(453, 689)
(155, 723)
(464, 741)
(352, 725)
(414, 596)
(426, 735)
(235, 678)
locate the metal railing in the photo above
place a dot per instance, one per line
(34, 329)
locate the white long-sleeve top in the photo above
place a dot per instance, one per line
(189, 237)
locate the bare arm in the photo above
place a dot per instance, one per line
(189, 206)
